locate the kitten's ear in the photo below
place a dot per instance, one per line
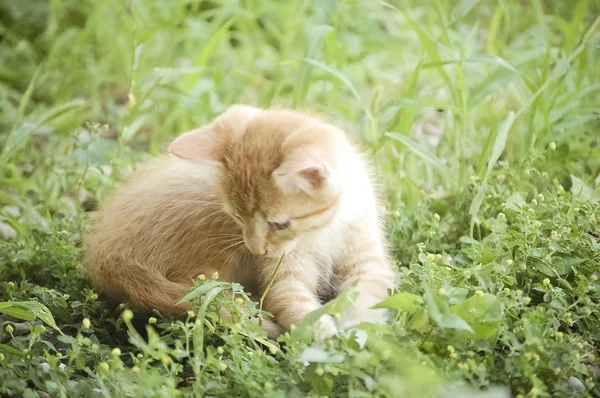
(199, 144)
(302, 170)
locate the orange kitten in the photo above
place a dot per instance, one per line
(240, 192)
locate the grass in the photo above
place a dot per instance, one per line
(482, 117)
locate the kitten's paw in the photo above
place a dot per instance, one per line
(353, 317)
(325, 328)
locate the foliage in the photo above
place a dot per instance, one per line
(481, 117)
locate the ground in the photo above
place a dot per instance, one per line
(482, 118)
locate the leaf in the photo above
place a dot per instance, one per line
(18, 138)
(500, 142)
(28, 311)
(563, 266)
(137, 55)
(483, 313)
(420, 321)
(452, 321)
(580, 190)
(314, 354)
(18, 313)
(318, 355)
(213, 42)
(493, 60)
(198, 334)
(67, 339)
(424, 154)
(543, 267)
(317, 38)
(200, 290)
(208, 50)
(515, 202)
(430, 46)
(11, 350)
(131, 129)
(438, 309)
(402, 301)
(343, 78)
(463, 8)
(499, 145)
(343, 301)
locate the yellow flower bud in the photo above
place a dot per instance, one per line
(127, 315)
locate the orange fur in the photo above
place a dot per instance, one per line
(240, 192)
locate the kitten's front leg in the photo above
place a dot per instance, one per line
(367, 265)
(293, 295)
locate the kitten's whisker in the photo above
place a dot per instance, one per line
(237, 243)
(206, 203)
(221, 239)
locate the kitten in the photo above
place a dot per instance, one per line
(233, 197)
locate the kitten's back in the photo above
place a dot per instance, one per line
(160, 229)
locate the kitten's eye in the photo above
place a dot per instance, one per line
(278, 226)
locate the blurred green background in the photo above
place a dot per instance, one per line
(481, 116)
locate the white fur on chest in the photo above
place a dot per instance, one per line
(357, 204)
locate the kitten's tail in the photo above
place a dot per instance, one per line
(145, 289)
(152, 290)
(155, 291)
(164, 295)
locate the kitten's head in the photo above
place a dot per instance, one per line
(280, 173)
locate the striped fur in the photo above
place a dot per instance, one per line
(232, 198)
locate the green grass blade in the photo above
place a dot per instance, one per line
(497, 149)
(17, 139)
(425, 155)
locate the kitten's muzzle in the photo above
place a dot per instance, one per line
(255, 247)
